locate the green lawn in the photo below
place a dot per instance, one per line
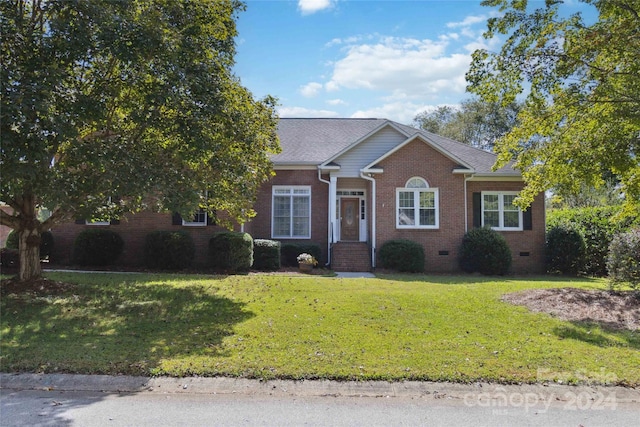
(436, 328)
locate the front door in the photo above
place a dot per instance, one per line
(349, 219)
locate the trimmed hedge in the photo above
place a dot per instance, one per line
(624, 259)
(266, 255)
(46, 243)
(485, 251)
(597, 226)
(565, 250)
(97, 247)
(231, 251)
(402, 255)
(169, 250)
(290, 252)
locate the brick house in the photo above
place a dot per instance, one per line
(352, 184)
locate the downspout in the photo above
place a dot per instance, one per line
(330, 235)
(467, 177)
(373, 217)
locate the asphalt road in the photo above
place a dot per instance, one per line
(59, 400)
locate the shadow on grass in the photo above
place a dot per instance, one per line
(468, 279)
(121, 327)
(600, 334)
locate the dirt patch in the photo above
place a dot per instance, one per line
(618, 310)
(38, 287)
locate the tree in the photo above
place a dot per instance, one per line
(581, 82)
(476, 122)
(116, 106)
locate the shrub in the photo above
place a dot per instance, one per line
(485, 251)
(230, 251)
(169, 250)
(266, 255)
(97, 247)
(46, 242)
(9, 259)
(290, 252)
(402, 255)
(565, 250)
(597, 226)
(624, 259)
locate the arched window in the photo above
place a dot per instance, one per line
(417, 205)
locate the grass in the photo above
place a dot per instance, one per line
(393, 328)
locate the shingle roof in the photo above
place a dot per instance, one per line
(313, 141)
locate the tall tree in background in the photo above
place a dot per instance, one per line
(116, 106)
(581, 118)
(476, 122)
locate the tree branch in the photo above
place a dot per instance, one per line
(9, 220)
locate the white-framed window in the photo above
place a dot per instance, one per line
(499, 212)
(96, 222)
(291, 212)
(200, 218)
(417, 205)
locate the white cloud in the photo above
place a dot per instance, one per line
(468, 21)
(308, 7)
(310, 90)
(336, 102)
(305, 112)
(404, 67)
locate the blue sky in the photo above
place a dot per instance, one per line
(350, 58)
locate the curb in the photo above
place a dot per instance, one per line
(317, 388)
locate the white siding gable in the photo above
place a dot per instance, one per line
(367, 151)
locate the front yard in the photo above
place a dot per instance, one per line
(438, 328)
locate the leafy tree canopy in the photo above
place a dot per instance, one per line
(476, 122)
(116, 106)
(581, 116)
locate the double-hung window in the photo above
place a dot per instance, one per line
(417, 205)
(291, 213)
(499, 212)
(200, 218)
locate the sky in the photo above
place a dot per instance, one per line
(360, 58)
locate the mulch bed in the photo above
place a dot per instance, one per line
(617, 310)
(38, 287)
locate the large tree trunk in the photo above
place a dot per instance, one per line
(30, 254)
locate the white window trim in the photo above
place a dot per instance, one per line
(500, 195)
(99, 223)
(197, 223)
(206, 215)
(416, 206)
(291, 189)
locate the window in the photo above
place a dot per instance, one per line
(199, 219)
(499, 212)
(417, 205)
(102, 222)
(291, 212)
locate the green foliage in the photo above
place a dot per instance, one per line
(565, 250)
(597, 226)
(98, 247)
(169, 250)
(580, 119)
(402, 255)
(46, 243)
(477, 123)
(484, 250)
(290, 252)
(266, 255)
(623, 262)
(231, 252)
(129, 99)
(9, 259)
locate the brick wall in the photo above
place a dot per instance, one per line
(260, 226)
(442, 245)
(132, 229)
(419, 159)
